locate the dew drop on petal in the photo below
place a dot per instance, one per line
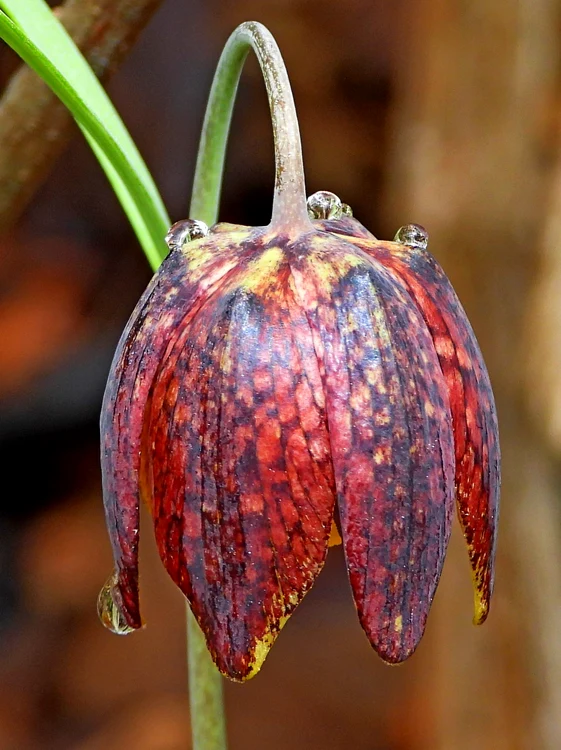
(412, 235)
(109, 610)
(324, 205)
(346, 210)
(184, 231)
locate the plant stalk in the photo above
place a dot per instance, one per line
(208, 718)
(104, 31)
(289, 203)
(79, 90)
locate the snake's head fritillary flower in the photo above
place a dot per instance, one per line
(266, 378)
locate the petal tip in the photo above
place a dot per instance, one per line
(481, 607)
(246, 668)
(398, 640)
(483, 581)
(242, 667)
(394, 652)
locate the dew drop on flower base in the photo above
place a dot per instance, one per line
(412, 235)
(109, 610)
(326, 205)
(185, 231)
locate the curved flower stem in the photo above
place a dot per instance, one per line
(289, 203)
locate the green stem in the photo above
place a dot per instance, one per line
(208, 720)
(104, 131)
(289, 214)
(289, 203)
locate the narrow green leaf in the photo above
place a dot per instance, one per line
(31, 29)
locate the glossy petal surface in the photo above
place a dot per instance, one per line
(258, 380)
(471, 401)
(176, 292)
(391, 438)
(243, 489)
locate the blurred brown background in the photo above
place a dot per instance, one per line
(442, 112)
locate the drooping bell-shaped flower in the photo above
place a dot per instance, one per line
(264, 379)
(271, 375)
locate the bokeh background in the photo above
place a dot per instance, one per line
(442, 112)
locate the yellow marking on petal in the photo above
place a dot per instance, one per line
(353, 260)
(197, 252)
(225, 227)
(261, 270)
(334, 536)
(360, 400)
(327, 270)
(325, 273)
(226, 363)
(480, 603)
(382, 456)
(398, 624)
(373, 375)
(263, 646)
(382, 418)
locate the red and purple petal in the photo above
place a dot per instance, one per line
(391, 438)
(241, 470)
(183, 282)
(471, 402)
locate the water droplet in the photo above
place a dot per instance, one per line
(324, 205)
(184, 231)
(346, 210)
(413, 235)
(109, 609)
